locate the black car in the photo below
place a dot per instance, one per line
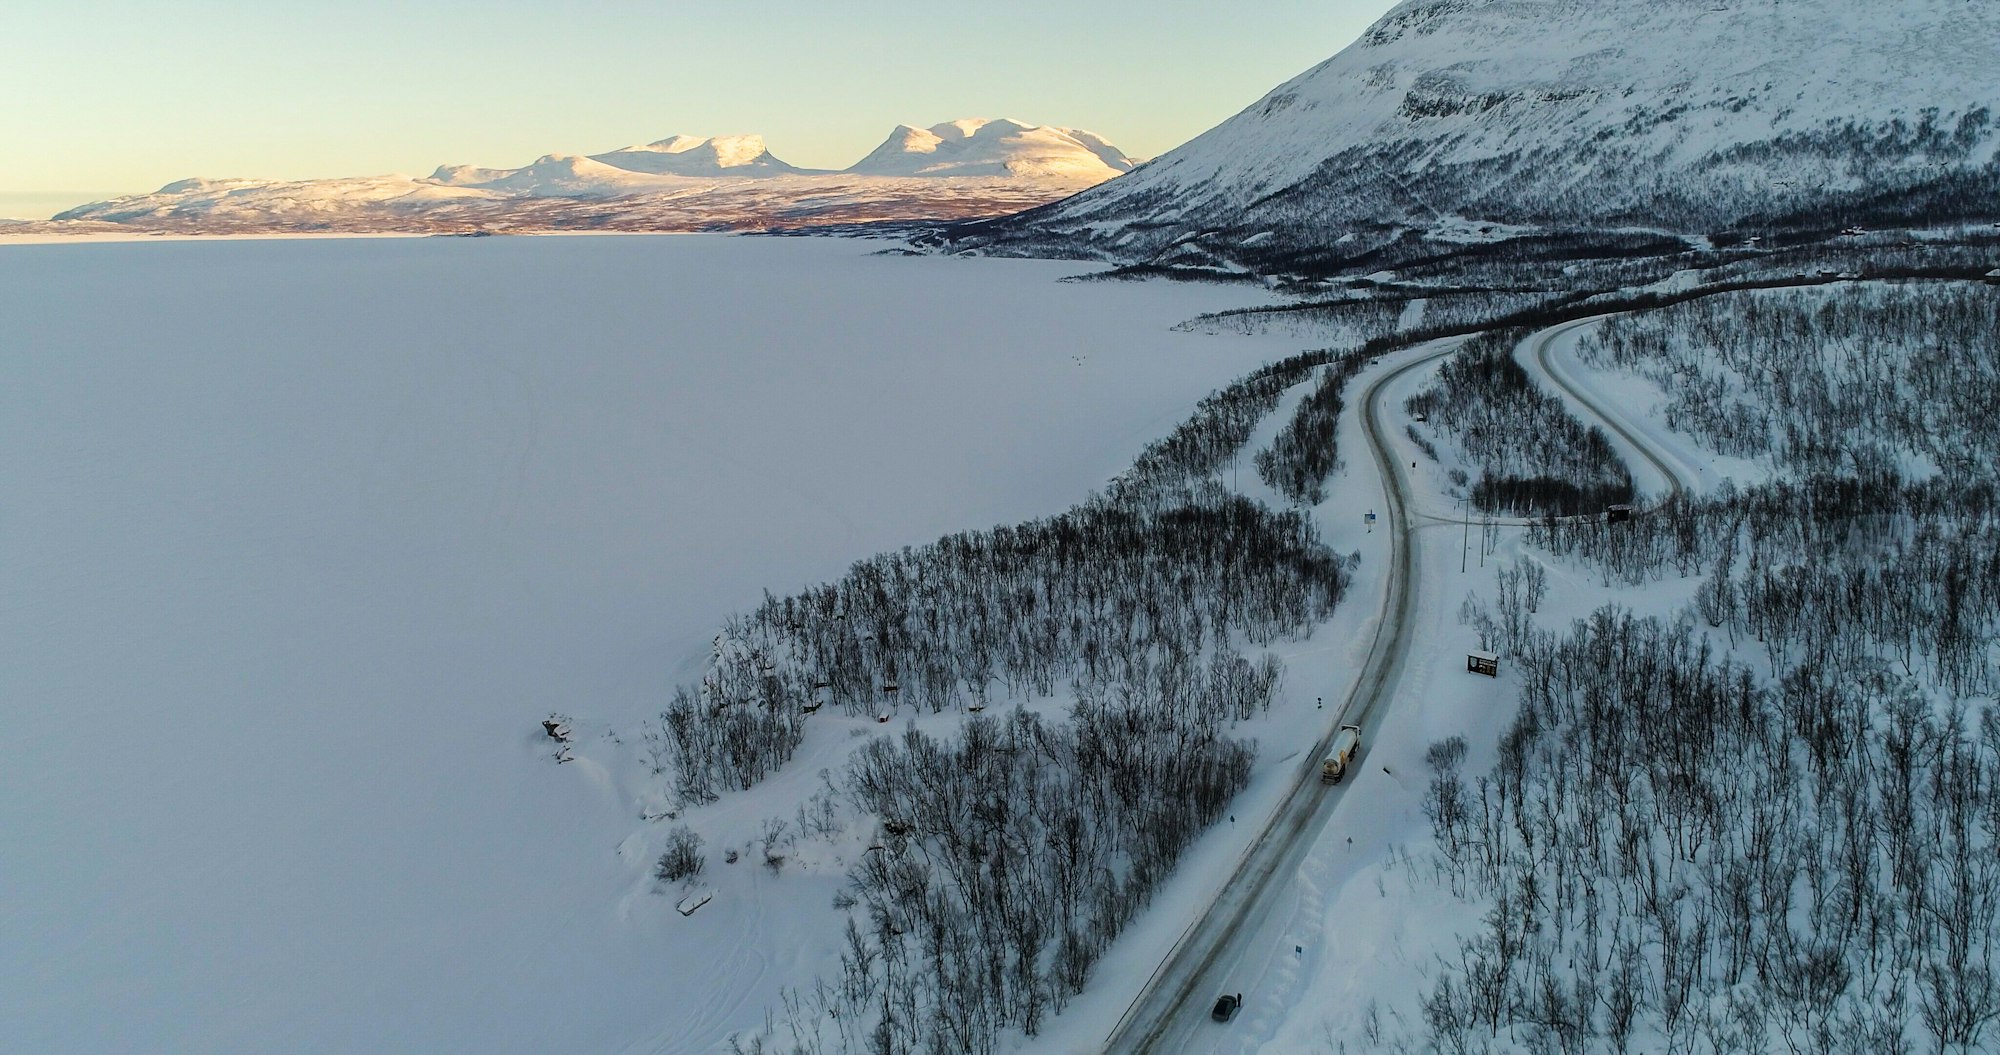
(1226, 1006)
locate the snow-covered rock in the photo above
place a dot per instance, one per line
(1680, 115)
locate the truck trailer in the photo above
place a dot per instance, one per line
(1345, 746)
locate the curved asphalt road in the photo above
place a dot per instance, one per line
(1538, 346)
(1171, 1012)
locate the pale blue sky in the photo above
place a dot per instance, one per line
(121, 96)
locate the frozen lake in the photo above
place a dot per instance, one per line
(302, 538)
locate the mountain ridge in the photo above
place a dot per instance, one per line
(1000, 147)
(688, 156)
(967, 168)
(1685, 117)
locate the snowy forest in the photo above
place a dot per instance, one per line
(1769, 820)
(1772, 820)
(1008, 854)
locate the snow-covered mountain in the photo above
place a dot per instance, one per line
(688, 156)
(978, 147)
(1473, 120)
(956, 170)
(613, 172)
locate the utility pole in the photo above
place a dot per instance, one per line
(1465, 543)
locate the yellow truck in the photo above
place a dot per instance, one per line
(1346, 744)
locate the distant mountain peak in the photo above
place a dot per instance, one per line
(967, 127)
(742, 155)
(977, 146)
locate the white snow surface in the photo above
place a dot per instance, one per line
(304, 538)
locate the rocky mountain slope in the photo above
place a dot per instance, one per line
(1463, 122)
(966, 168)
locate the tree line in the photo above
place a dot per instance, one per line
(1100, 593)
(1306, 452)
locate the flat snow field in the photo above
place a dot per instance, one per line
(300, 539)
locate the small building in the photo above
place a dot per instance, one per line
(1617, 514)
(1483, 663)
(1993, 276)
